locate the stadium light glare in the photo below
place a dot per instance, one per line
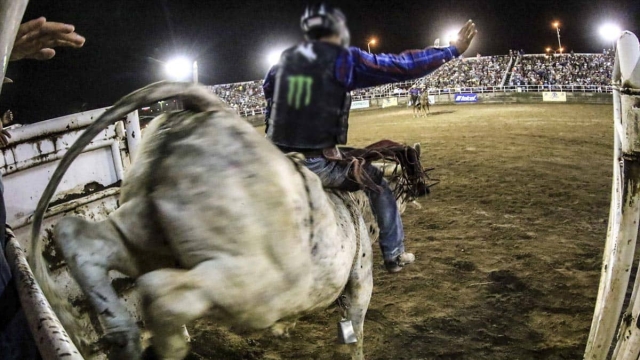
(610, 32)
(451, 36)
(274, 57)
(178, 68)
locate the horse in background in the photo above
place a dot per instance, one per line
(424, 103)
(414, 95)
(419, 101)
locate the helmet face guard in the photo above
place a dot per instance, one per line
(320, 20)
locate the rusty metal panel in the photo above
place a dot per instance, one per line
(33, 154)
(89, 190)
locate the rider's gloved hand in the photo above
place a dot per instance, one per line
(465, 36)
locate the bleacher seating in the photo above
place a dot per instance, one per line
(568, 69)
(486, 73)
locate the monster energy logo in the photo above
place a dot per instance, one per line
(298, 86)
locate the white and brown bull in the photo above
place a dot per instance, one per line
(213, 220)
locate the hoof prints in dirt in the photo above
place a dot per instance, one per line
(507, 293)
(500, 323)
(464, 265)
(504, 281)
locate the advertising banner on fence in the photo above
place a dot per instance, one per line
(554, 96)
(360, 104)
(389, 102)
(466, 98)
(432, 99)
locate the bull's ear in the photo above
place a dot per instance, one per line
(418, 148)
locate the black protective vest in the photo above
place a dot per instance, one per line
(310, 107)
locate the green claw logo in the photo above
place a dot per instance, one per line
(299, 86)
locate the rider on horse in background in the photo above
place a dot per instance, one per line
(414, 93)
(308, 101)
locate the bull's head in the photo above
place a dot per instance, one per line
(392, 175)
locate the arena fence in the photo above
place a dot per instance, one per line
(475, 90)
(624, 216)
(501, 89)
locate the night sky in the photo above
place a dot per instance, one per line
(127, 39)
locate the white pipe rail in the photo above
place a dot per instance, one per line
(624, 217)
(51, 338)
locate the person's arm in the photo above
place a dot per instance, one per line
(268, 89)
(371, 70)
(37, 38)
(359, 69)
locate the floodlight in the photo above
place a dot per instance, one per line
(274, 57)
(610, 32)
(178, 68)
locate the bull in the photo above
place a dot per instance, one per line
(213, 220)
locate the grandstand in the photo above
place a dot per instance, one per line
(504, 73)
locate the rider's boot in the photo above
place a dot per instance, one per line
(396, 265)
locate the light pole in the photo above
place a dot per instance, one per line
(372, 41)
(557, 26)
(548, 50)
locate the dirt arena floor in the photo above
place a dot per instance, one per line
(508, 245)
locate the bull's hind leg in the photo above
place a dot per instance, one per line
(91, 250)
(171, 298)
(358, 294)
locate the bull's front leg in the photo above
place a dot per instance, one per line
(91, 250)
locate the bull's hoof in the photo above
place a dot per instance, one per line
(123, 345)
(281, 329)
(149, 354)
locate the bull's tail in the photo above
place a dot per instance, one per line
(194, 97)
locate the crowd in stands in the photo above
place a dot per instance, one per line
(590, 70)
(568, 69)
(243, 97)
(469, 73)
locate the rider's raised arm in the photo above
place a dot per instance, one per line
(377, 69)
(359, 69)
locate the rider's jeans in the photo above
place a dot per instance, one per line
(384, 206)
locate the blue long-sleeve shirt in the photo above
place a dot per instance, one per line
(357, 69)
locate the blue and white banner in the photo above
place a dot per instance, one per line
(360, 104)
(466, 98)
